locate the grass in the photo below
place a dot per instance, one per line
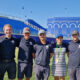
(33, 78)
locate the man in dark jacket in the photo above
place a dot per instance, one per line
(7, 53)
(25, 58)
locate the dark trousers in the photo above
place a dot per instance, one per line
(74, 74)
(1, 77)
(10, 67)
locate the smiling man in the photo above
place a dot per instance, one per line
(43, 53)
(25, 58)
(7, 46)
(74, 56)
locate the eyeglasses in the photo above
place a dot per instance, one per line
(74, 34)
(42, 34)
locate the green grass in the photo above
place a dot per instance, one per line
(33, 78)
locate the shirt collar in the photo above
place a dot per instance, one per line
(7, 38)
(76, 42)
(25, 39)
(59, 45)
(43, 44)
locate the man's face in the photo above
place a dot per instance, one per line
(42, 36)
(8, 30)
(26, 35)
(75, 37)
(59, 39)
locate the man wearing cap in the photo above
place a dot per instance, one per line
(43, 53)
(74, 56)
(7, 48)
(59, 63)
(25, 59)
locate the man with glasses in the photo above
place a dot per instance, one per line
(74, 56)
(43, 53)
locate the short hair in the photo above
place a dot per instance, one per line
(6, 26)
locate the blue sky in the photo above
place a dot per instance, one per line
(40, 10)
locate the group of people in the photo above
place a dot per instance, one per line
(41, 51)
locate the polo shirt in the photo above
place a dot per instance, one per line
(42, 53)
(7, 48)
(26, 50)
(74, 54)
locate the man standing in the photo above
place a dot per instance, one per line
(7, 46)
(74, 56)
(43, 53)
(25, 58)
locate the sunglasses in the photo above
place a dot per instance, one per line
(74, 34)
(42, 34)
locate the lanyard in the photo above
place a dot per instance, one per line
(58, 50)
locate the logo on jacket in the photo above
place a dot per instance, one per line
(79, 45)
(13, 41)
(30, 43)
(47, 46)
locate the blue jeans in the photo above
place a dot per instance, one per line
(74, 74)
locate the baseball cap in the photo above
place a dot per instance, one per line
(74, 32)
(41, 31)
(26, 30)
(59, 35)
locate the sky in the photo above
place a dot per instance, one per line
(40, 10)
